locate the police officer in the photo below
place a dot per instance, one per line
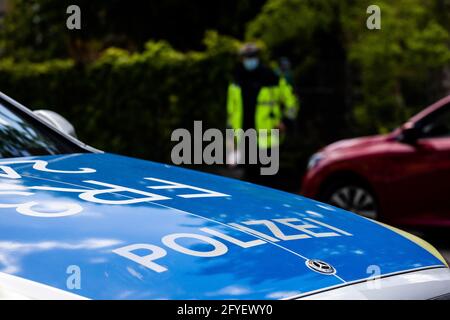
(259, 98)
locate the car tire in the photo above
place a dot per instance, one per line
(352, 195)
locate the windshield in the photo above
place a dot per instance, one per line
(23, 136)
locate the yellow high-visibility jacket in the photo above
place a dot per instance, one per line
(273, 103)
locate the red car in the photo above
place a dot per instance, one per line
(402, 178)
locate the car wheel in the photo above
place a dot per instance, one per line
(352, 196)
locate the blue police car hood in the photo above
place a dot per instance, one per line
(111, 227)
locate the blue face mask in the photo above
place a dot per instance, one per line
(250, 64)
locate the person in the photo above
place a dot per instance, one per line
(285, 70)
(259, 98)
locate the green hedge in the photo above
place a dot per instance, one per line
(129, 103)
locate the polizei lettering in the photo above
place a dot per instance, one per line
(246, 235)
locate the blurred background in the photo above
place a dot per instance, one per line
(137, 70)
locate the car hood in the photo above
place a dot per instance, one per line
(161, 232)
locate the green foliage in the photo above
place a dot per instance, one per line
(32, 30)
(36, 29)
(411, 46)
(350, 80)
(282, 21)
(130, 103)
(384, 68)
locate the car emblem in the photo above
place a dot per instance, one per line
(320, 267)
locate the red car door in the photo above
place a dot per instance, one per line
(435, 139)
(418, 188)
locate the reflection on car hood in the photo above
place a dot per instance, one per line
(356, 143)
(222, 238)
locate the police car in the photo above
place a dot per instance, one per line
(76, 223)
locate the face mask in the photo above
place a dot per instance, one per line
(251, 64)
